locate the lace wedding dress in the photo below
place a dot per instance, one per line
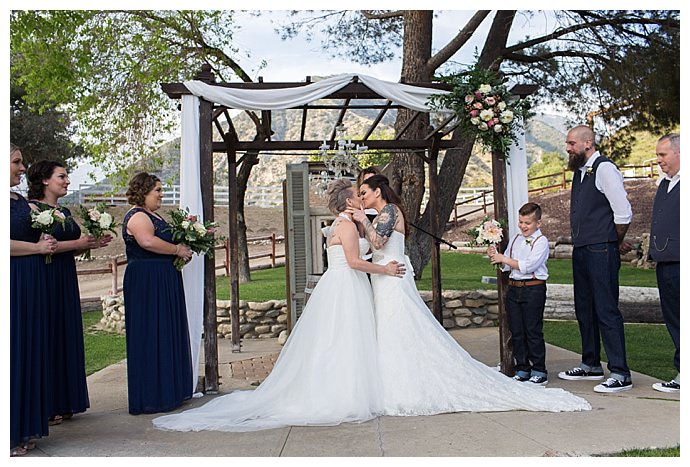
(425, 371)
(326, 373)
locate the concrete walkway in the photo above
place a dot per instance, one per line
(638, 418)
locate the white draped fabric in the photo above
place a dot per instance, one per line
(516, 182)
(190, 197)
(413, 97)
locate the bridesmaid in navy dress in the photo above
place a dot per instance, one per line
(28, 331)
(67, 391)
(159, 363)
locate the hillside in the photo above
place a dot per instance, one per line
(556, 212)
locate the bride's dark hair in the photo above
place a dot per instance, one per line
(381, 182)
(338, 194)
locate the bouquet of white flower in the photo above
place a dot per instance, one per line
(489, 232)
(199, 237)
(96, 222)
(45, 218)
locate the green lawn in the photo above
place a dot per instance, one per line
(458, 272)
(100, 348)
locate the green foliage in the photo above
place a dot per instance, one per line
(551, 163)
(485, 108)
(651, 452)
(105, 68)
(198, 236)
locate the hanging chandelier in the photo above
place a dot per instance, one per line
(340, 161)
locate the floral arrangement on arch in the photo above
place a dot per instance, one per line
(485, 107)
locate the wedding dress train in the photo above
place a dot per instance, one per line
(326, 373)
(425, 371)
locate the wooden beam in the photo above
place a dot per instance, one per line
(435, 229)
(498, 169)
(340, 119)
(378, 119)
(233, 243)
(314, 145)
(438, 129)
(304, 123)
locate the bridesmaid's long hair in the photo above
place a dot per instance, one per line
(36, 173)
(381, 182)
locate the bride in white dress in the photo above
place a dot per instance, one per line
(326, 373)
(423, 370)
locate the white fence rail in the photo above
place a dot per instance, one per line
(259, 196)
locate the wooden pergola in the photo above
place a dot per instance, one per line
(354, 95)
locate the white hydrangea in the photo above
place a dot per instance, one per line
(105, 220)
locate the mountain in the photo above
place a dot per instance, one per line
(545, 133)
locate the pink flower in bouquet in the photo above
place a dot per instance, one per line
(474, 112)
(490, 100)
(491, 232)
(94, 215)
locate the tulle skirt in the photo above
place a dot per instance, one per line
(326, 373)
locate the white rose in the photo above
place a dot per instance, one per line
(199, 227)
(185, 225)
(94, 215)
(105, 221)
(486, 114)
(44, 218)
(501, 106)
(484, 88)
(498, 128)
(475, 121)
(469, 98)
(483, 126)
(506, 117)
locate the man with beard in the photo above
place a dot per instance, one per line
(599, 218)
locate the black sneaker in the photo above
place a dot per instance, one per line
(540, 380)
(519, 378)
(671, 386)
(613, 385)
(578, 373)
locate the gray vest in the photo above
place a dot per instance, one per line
(664, 239)
(591, 216)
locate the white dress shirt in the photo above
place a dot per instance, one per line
(531, 254)
(609, 181)
(672, 181)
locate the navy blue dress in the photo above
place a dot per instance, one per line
(67, 391)
(159, 362)
(28, 333)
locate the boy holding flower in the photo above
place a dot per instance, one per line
(525, 258)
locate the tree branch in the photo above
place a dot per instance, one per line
(369, 14)
(523, 58)
(457, 42)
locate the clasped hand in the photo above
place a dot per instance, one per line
(184, 252)
(393, 268)
(47, 244)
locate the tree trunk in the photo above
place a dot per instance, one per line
(455, 161)
(407, 169)
(251, 159)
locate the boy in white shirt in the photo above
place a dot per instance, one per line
(525, 258)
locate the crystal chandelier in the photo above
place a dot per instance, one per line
(341, 161)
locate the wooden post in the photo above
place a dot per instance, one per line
(113, 268)
(273, 250)
(211, 382)
(436, 230)
(233, 238)
(227, 257)
(501, 214)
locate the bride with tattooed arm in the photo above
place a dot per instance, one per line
(423, 370)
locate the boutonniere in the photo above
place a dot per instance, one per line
(589, 171)
(528, 241)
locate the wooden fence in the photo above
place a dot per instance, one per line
(630, 172)
(115, 263)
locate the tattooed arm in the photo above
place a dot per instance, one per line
(383, 226)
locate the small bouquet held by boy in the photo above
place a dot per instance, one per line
(45, 219)
(198, 236)
(489, 232)
(96, 222)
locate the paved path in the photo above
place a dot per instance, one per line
(637, 418)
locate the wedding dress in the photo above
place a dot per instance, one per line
(326, 373)
(425, 371)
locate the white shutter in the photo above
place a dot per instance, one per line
(298, 236)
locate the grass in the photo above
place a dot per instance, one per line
(458, 272)
(101, 348)
(663, 452)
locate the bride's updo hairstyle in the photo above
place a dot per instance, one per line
(381, 182)
(338, 192)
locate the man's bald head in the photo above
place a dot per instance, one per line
(579, 144)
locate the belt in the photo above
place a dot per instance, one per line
(525, 283)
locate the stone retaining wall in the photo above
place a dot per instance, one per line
(259, 320)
